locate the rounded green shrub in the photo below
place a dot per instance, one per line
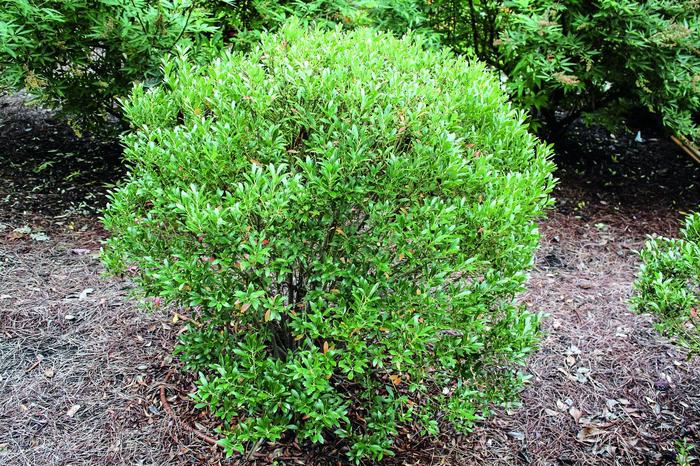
(668, 283)
(348, 217)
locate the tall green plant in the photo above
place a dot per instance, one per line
(348, 218)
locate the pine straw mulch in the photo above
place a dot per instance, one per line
(79, 359)
(82, 363)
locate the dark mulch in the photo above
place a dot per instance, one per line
(605, 172)
(47, 169)
(82, 363)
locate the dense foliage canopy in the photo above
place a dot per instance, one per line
(349, 218)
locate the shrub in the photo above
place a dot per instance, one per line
(80, 56)
(348, 218)
(668, 284)
(602, 60)
(243, 22)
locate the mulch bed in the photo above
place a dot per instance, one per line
(82, 362)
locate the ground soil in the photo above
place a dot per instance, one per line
(82, 362)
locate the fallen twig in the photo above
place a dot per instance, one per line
(33, 366)
(688, 147)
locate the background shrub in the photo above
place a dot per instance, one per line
(604, 60)
(80, 56)
(668, 284)
(560, 59)
(243, 22)
(348, 218)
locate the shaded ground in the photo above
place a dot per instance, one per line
(45, 168)
(81, 364)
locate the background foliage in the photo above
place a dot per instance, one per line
(349, 218)
(669, 283)
(245, 21)
(604, 60)
(560, 59)
(80, 56)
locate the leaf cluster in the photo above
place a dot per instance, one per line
(668, 284)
